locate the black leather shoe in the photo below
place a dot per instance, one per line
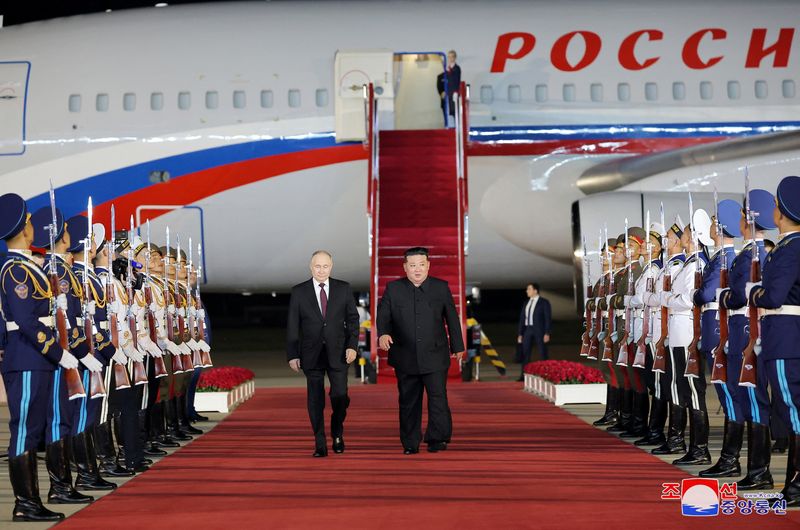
(197, 417)
(190, 431)
(153, 450)
(165, 442)
(410, 451)
(435, 447)
(114, 470)
(320, 452)
(28, 510)
(139, 468)
(338, 445)
(146, 461)
(68, 497)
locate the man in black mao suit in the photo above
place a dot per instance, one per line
(322, 338)
(534, 325)
(411, 326)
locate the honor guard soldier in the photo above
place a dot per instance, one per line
(727, 228)
(97, 351)
(624, 393)
(614, 262)
(49, 223)
(598, 305)
(778, 297)
(691, 391)
(636, 392)
(647, 327)
(754, 402)
(31, 356)
(675, 442)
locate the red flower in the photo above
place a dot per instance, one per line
(223, 378)
(564, 372)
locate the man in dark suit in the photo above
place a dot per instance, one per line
(534, 325)
(452, 76)
(411, 326)
(322, 338)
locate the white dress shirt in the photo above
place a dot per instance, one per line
(529, 310)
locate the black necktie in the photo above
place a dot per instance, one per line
(323, 300)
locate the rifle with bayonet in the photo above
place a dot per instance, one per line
(121, 379)
(72, 377)
(587, 332)
(719, 371)
(169, 302)
(622, 357)
(597, 327)
(201, 324)
(189, 361)
(660, 355)
(139, 369)
(96, 387)
(608, 340)
(160, 369)
(748, 377)
(693, 350)
(640, 357)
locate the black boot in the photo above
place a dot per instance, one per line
(625, 408)
(638, 425)
(157, 423)
(24, 481)
(675, 442)
(88, 474)
(184, 424)
(106, 455)
(171, 417)
(758, 456)
(780, 445)
(791, 491)
(61, 490)
(655, 428)
(698, 441)
(611, 414)
(728, 463)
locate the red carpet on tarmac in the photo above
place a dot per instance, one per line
(515, 462)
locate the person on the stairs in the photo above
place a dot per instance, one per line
(447, 83)
(534, 326)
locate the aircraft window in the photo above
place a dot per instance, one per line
(212, 99)
(734, 91)
(322, 97)
(514, 94)
(678, 91)
(569, 92)
(596, 90)
(129, 101)
(75, 101)
(623, 92)
(294, 98)
(541, 93)
(156, 101)
(239, 99)
(266, 99)
(650, 91)
(788, 89)
(761, 89)
(101, 103)
(706, 90)
(184, 100)
(487, 95)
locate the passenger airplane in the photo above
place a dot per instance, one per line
(228, 110)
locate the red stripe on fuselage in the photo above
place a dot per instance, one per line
(193, 187)
(627, 146)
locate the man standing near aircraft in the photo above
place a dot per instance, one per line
(447, 83)
(411, 326)
(322, 338)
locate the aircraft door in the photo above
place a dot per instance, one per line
(13, 98)
(352, 70)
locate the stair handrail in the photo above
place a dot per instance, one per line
(372, 143)
(461, 111)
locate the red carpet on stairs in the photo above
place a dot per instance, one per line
(515, 462)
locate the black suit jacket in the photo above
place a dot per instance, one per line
(453, 85)
(307, 332)
(415, 318)
(541, 317)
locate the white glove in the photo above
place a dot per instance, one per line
(92, 308)
(749, 287)
(132, 353)
(162, 343)
(627, 300)
(185, 348)
(193, 312)
(154, 350)
(193, 344)
(718, 293)
(68, 360)
(119, 357)
(665, 298)
(160, 314)
(201, 314)
(173, 348)
(61, 302)
(171, 309)
(139, 354)
(92, 364)
(204, 346)
(182, 312)
(153, 307)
